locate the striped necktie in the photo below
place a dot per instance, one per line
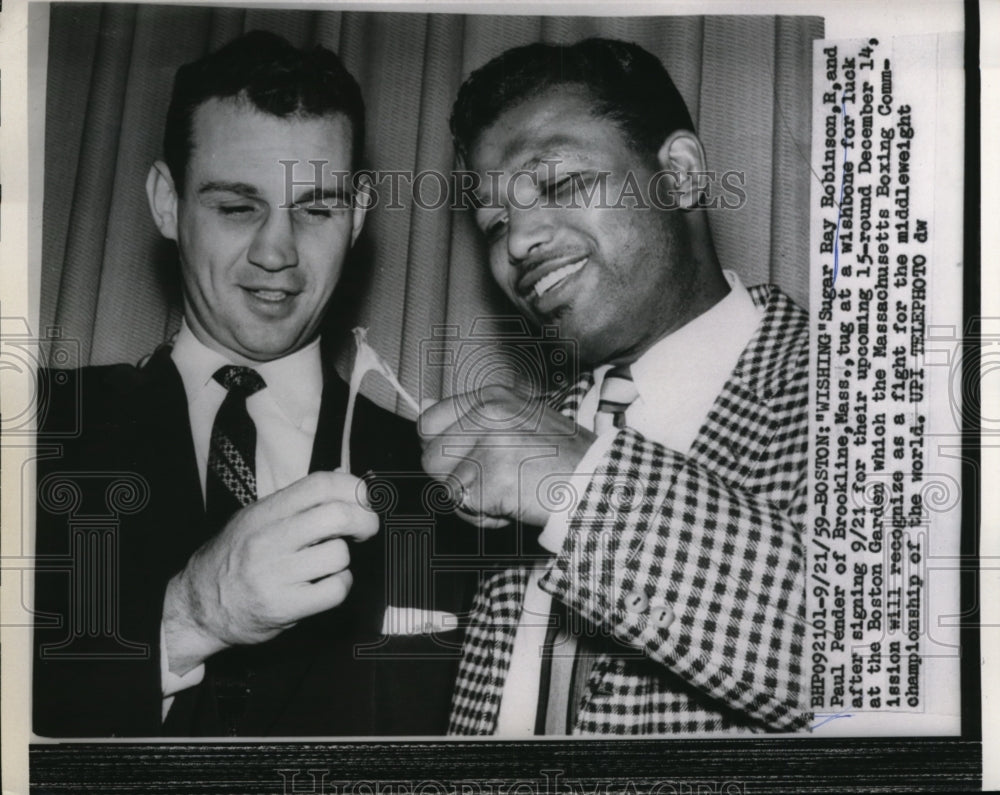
(618, 392)
(565, 672)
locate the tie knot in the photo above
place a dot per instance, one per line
(618, 392)
(239, 380)
(618, 387)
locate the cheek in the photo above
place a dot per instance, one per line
(323, 260)
(502, 273)
(197, 275)
(324, 284)
(638, 249)
(211, 251)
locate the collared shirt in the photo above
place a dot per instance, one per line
(677, 380)
(285, 414)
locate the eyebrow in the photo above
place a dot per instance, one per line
(221, 186)
(551, 148)
(311, 196)
(534, 162)
(551, 151)
(314, 196)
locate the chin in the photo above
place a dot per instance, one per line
(566, 320)
(561, 317)
(266, 351)
(592, 347)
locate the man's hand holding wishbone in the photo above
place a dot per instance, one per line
(501, 474)
(277, 561)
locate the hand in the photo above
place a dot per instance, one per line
(502, 474)
(276, 562)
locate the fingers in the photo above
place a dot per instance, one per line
(495, 470)
(279, 560)
(316, 562)
(315, 489)
(495, 404)
(321, 506)
(479, 497)
(438, 417)
(315, 597)
(455, 456)
(330, 520)
(466, 478)
(482, 520)
(439, 463)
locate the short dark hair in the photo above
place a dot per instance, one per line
(628, 84)
(266, 71)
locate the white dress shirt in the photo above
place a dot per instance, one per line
(677, 380)
(285, 414)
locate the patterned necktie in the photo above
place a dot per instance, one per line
(231, 480)
(618, 392)
(231, 484)
(567, 662)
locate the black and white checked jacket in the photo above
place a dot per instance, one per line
(693, 562)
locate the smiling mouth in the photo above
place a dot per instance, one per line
(269, 296)
(550, 280)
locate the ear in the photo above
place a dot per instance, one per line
(682, 156)
(362, 200)
(162, 196)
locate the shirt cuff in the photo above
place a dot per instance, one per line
(554, 533)
(171, 683)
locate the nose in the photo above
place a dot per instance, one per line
(273, 247)
(529, 230)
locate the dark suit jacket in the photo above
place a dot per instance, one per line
(120, 512)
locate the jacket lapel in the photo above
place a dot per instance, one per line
(152, 436)
(326, 444)
(166, 451)
(741, 422)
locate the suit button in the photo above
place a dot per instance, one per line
(636, 602)
(661, 616)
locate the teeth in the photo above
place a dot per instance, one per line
(550, 280)
(271, 295)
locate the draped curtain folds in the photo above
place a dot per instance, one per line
(109, 281)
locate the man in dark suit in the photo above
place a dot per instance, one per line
(668, 591)
(205, 567)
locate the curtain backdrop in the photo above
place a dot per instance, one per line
(109, 282)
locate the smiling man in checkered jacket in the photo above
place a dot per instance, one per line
(667, 594)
